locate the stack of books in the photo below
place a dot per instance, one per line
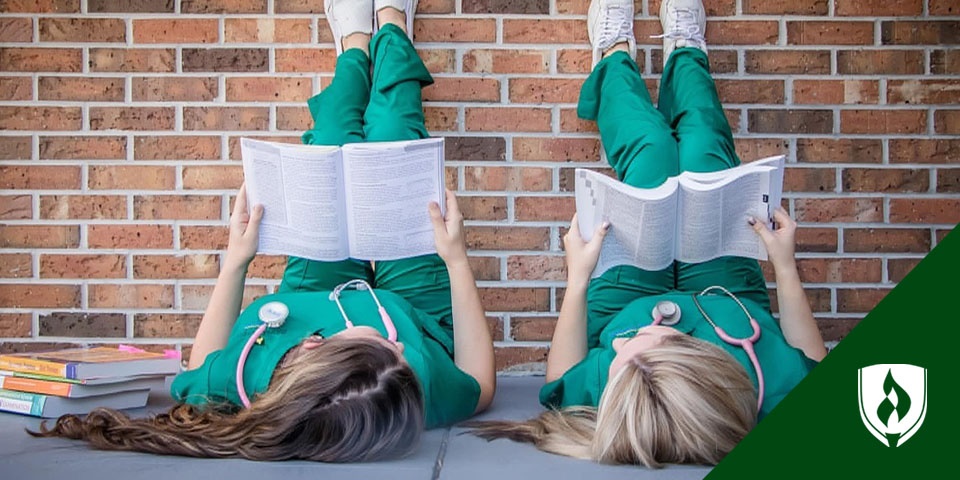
(77, 380)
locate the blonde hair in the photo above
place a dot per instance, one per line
(347, 400)
(683, 401)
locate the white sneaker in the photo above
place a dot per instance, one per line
(409, 7)
(348, 16)
(610, 22)
(684, 24)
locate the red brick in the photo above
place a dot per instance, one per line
(40, 296)
(879, 8)
(137, 236)
(41, 59)
(210, 177)
(266, 89)
(233, 143)
(295, 119)
(917, 210)
(820, 299)
(836, 92)
(738, 32)
(886, 240)
(860, 299)
(130, 296)
(177, 148)
(515, 299)
(569, 122)
(508, 179)
(225, 118)
(176, 207)
(82, 266)
(309, 60)
(556, 149)
(16, 265)
(166, 325)
(204, 237)
(15, 148)
(16, 88)
(223, 6)
(507, 61)
(786, 7)
(40, 178)
(508, 238)
(506, 6)
(16, 30)
(944, 62)
(80, 89)
(495, 325)
(455, 30)
(875, 62)
(41, 6)
(820, 239)
(225, 59)
(544, 90)
(485, 268)
(83, 148)
(446, 89)
(132, 6)
(297, 6)
(750, 91)
(577, 61)
(177, 31)
(790, 121)
(196, 297)
(15, 325)
(924, 91)
(39, 236)
(267, 266)
(131, 118)
(898, 268)
(843, 150)
(536, 267)
(947, 122)
(100, 30)
(809, 180)
(86, 324)
(926, 32)
(521, 359)
(166, 267)
(153, 60)
(885, 180)
(506, 119)
(944, 7)
(40, 118)
(788, 61)
(436, 6)
(544, 31)
(835, 329)
(483, 208)
(532, 329)
(16, 207)
(830, 33)
(138, 177)
(883, 121)
(475, 148)
(752, 148)
(544, 208)
(941, 233)
(840, 270)
(839, 210)
(948, 180)
(83, 207)
(175, 89)
(439, 61)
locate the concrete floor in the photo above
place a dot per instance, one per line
(443, 454)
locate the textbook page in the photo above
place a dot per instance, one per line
(642, 221)
(714, 216)
(301, 190)
(388, 188)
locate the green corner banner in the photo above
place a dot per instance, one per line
(884, 403)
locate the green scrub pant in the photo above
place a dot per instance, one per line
(358, 107)
(645, 145)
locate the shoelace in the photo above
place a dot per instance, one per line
(615, 26)
(686, 27)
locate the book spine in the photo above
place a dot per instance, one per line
(20, 402)
(36, 386)
(39, 367)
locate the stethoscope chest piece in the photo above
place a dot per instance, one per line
(666, 313)
(273, 314)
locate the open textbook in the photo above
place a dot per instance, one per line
(693, 217)
(363, 200)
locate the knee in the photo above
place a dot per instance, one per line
(394, 131)
(662, 142)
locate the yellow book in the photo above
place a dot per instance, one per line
(85, 363)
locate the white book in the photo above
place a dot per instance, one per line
(363, 200)
(692, 217)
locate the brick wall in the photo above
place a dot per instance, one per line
(120, 121)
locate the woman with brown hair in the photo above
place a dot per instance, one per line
(654, 367)
(350, 360)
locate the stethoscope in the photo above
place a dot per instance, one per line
(274, 314)
(667, 313)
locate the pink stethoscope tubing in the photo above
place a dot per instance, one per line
(746, 343)
(334, 296)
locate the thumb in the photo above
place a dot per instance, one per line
(600, 233)
(436, 218)
(253, 226)
(761, 228)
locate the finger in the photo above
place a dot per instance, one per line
(452, 206)
(439, 228)
(761, 228)
(574, 225)
(253, 226)
(600, 232)
(782, 217)
(240, 203)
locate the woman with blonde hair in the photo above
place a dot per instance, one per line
(650, 367)
(349, 361)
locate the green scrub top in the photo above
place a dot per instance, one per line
(450, 394)
(783, 366)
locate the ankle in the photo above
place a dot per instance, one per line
(390, 15)
(357, 40)
(617, 47)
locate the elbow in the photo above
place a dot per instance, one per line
(488, 388)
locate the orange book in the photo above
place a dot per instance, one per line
(84, 363)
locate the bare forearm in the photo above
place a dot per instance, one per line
(473, 346)
(220, 315)
(569, 344)
(796, 318)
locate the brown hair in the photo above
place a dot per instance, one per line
(683, 401)
(346, 400)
